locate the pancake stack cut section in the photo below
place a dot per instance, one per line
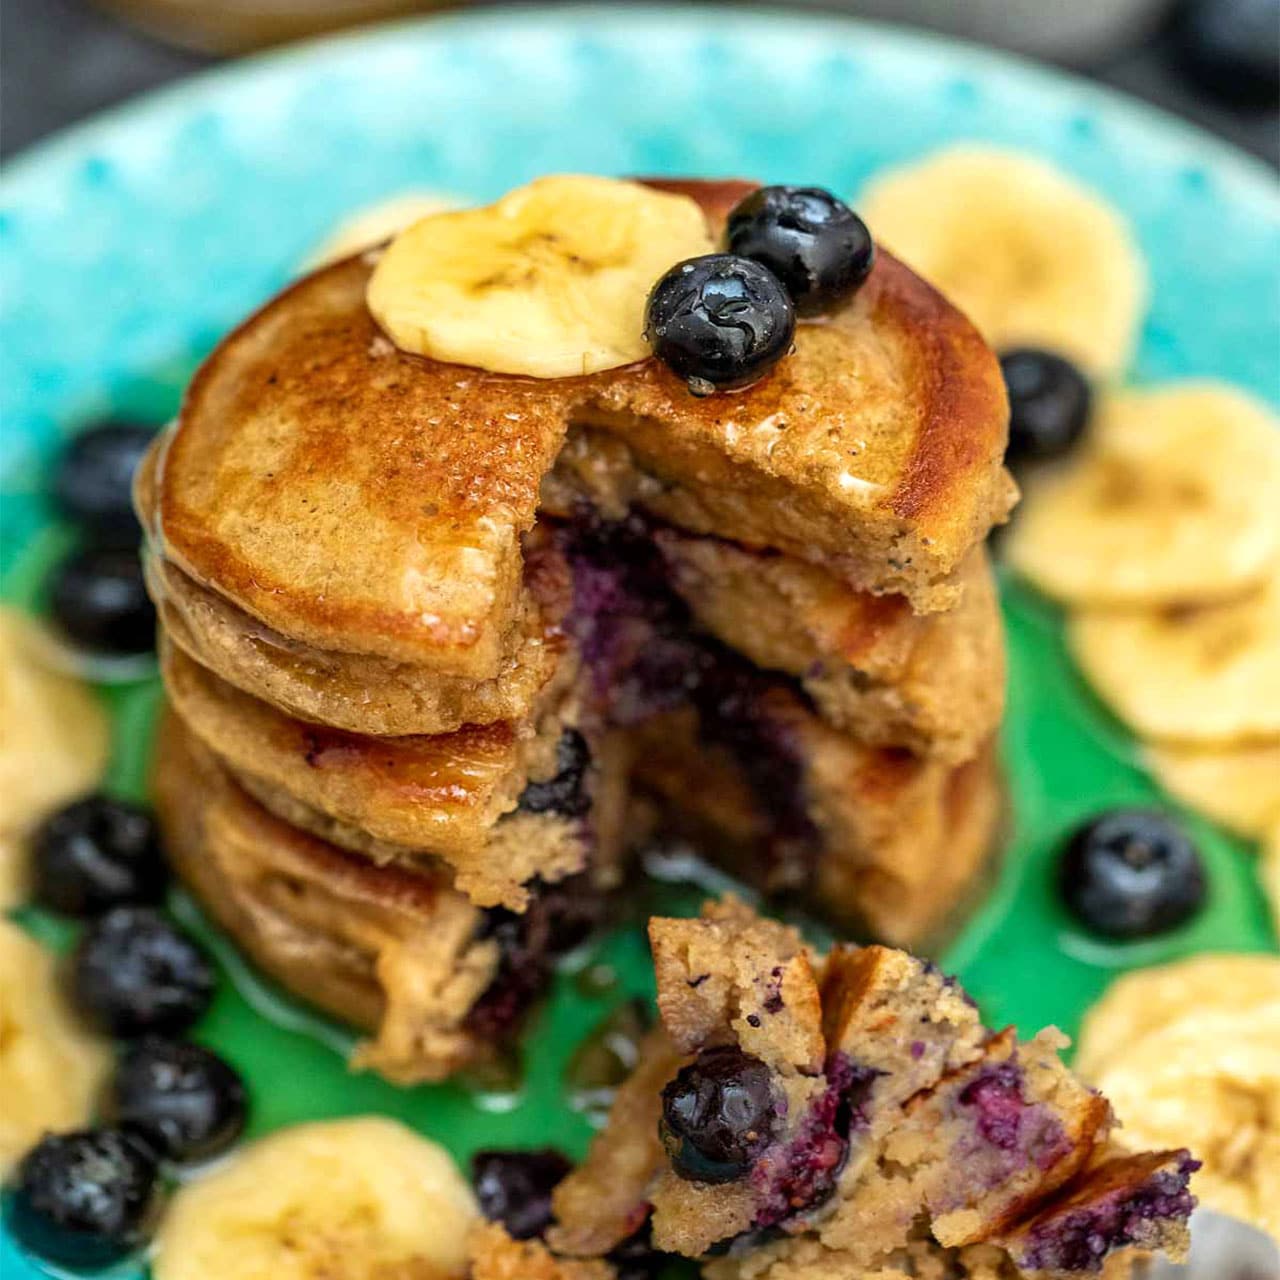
(441, 646)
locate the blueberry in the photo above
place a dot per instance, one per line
(720, 321)
(99, 600)
(1232, 49)
(717, 1114)
(514, 1188)
(815, 244)
(96, 854)
(1049, 402)
(565, 793)
(182, 1098)
(85, 1199)
(134, 973)
(1131, 873)
(92, 481)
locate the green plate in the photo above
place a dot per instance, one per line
(130, 244)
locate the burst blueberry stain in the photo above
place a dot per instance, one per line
(997, 1097)
(1080, 1239)
(803, 1176)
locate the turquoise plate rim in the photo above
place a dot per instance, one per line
(139, 112)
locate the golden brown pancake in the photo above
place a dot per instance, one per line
(359, 499)
(875, 669)
(921, 899)
(418, 800)
(356, 691)
(887, 844)
(393, 952)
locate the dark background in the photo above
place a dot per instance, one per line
(61, 60)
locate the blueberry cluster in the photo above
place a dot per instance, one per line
(91, 1197)
(723, 320)
(96, 594)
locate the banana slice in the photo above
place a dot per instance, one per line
(54, 737)
(360, 1199)
(1209, 1080)
(378, 222)
(50, 1068)
(1238, 787)
(551, 281)
(1208, 676)
(1172, 501)
(1148, 999)
(1189, 1055)
(1030, 255)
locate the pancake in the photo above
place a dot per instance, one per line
(418, 800)
(921, 900)
(359, 692)
(362, 500)
(875, 840)
(933, 683)
(875, 670)
(394, 953)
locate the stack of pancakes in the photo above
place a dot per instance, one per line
(440, 644)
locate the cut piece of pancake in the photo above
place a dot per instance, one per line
(875, 839)
(889, 677)
(393, 952)
(412, 800)
(876, 1111)
(362, 500)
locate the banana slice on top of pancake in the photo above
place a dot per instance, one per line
(1238, 787)
(1173, 500)
(1207, 675)
(51, 1069)
(1030, 255)
(362, 1199)
(551, 281)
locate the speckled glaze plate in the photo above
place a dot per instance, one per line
(128, 245)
